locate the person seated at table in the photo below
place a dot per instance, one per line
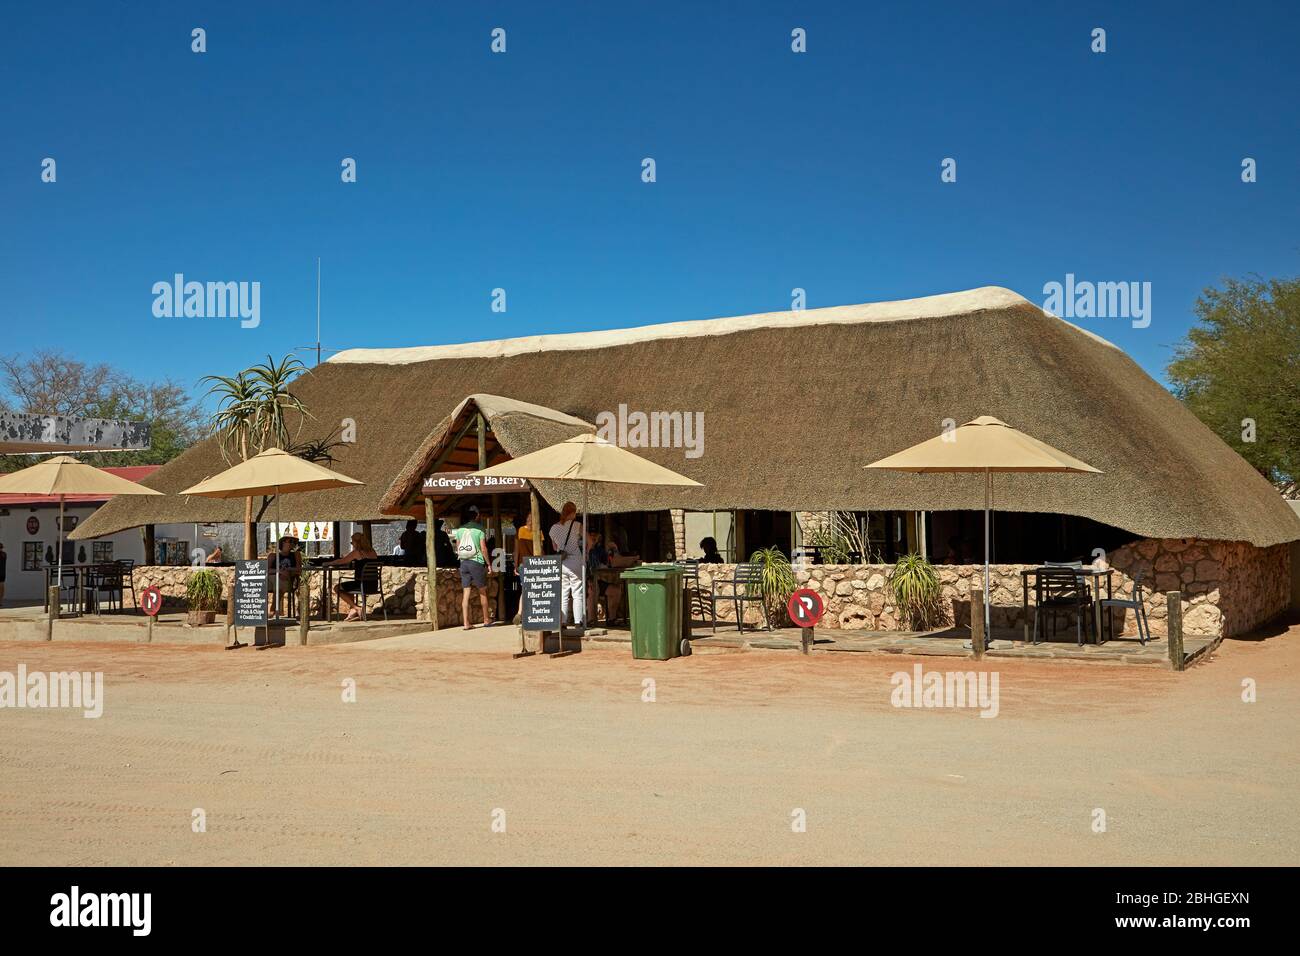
(711, 554)
(287, 565)
(216, 557)
(362, 550)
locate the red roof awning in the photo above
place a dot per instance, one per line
(129, 472)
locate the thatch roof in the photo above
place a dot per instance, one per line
(516, 428)
(795, 403)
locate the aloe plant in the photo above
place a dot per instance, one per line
(204, 590)
(777, 580)
(914, 585)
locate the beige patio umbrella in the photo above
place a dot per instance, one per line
(272, 472)
(63, 475)
(585, 459)
(985, 445)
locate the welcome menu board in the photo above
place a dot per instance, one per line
(540, 579)
(250, 593)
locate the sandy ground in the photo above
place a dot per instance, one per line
(447, 731)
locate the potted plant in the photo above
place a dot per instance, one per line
(777, 582)
(204, 593)
(914, 586)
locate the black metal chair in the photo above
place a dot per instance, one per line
(1135, 604)
(746, 588)
(128, 565)
(69, 581)
(701, 598)
(105, 579)
(1060, 590)
(368, 579)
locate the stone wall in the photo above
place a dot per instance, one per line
(405, 590)
(1228, 588)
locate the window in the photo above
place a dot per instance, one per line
(33, 556)
(101, 552)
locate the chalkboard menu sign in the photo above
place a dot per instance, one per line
(250, 593)
(540, 577)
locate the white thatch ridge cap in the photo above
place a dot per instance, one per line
(982, 299)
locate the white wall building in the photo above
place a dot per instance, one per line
(29, 532)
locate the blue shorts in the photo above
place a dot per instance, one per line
(473, 574)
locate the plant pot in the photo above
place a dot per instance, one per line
(199, 618)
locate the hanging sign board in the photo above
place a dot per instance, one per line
(250, 593)
(448, 483)
(540, 579)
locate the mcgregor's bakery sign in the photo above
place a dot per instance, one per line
(448, 483)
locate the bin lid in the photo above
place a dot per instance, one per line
(651, 572)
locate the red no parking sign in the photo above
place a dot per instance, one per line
(806, 607)
(151, 601)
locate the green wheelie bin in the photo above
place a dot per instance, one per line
(654, 601)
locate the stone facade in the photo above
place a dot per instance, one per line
(405, 590)
(1228, 588)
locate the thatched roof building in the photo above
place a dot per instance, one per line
(794, 404)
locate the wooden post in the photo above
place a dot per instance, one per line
(51, 595)
(431, 561)
(230, 609)
(304, 608)
(977, 623)
(738, 533)
(150, 551)
(501, 546)
(1174, 603)
(148, 629)
(806, 638)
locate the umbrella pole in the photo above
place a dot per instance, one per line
(275, 562)
(988, 507)
(59, 581)
(585, 495)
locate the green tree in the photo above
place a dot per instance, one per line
(253, 414)
(1238, 371)
(50, 382)
(232, 426)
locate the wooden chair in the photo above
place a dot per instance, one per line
(1135, 604)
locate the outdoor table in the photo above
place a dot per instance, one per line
(1092, 577)
(79, 572)
(327, 574)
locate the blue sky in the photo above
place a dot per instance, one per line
(522, 171)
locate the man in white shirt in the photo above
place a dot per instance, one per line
(566, 539)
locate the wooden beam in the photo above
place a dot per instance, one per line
(431, 560)
(150, 551)
(1174, 606)
(446, 452)
(304, 608)
(977, 622)
(52, 599)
